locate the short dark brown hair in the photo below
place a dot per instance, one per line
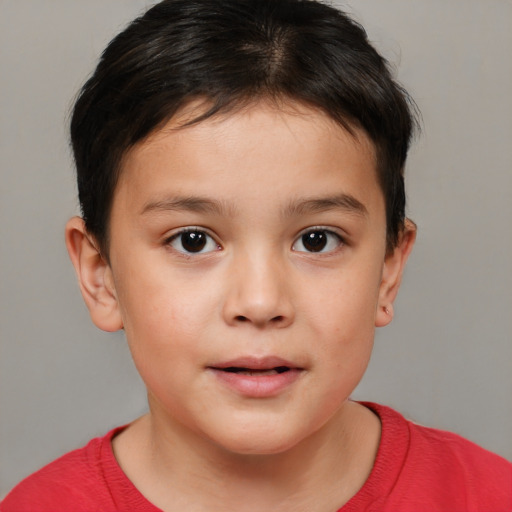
(231, 52)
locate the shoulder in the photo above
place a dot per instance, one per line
(460, 462)
(442, 467)
(74, 481)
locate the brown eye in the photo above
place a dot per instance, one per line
(193, 241)
(317, 240)
(314, 241)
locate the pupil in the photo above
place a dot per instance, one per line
(193, 241)
(314, 241)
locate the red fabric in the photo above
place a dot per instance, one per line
(417, 469)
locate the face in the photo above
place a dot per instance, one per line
(247, 256)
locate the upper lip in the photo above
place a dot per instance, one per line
(255, 363)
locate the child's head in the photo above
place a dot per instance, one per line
(240, 168)
(227, 54)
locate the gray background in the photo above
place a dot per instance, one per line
(446, 359)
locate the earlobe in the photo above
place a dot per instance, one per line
(392, 272)
(94, 277)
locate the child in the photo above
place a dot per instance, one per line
(240, 171)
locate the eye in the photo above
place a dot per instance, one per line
(193, 241)
(317, 240)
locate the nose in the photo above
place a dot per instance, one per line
(258, 293)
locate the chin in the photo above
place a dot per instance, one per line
(261, 447)
(260, 441)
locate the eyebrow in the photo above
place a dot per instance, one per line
(188, 203)
(344, 202)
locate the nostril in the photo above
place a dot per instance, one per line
(276, 319)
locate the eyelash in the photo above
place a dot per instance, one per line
(325, 231)
(300, 239)
(196, 230)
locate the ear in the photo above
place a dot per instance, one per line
(392, 272)
(94, 277)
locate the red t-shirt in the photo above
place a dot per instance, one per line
(417, 469)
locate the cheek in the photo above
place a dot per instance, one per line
(346, 302)
(342, 320)
(163, 332)
(164, 317)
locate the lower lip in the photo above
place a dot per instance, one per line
(258, 386)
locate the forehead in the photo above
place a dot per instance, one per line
(260, 113)
(262, 149)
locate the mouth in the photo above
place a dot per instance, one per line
(257, 377)
(256, 372)
(250, 365)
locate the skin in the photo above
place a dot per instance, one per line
(255, 290)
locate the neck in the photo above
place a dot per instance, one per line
(179, 470)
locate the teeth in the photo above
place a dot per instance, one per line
(273, 371)
(256, 373)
